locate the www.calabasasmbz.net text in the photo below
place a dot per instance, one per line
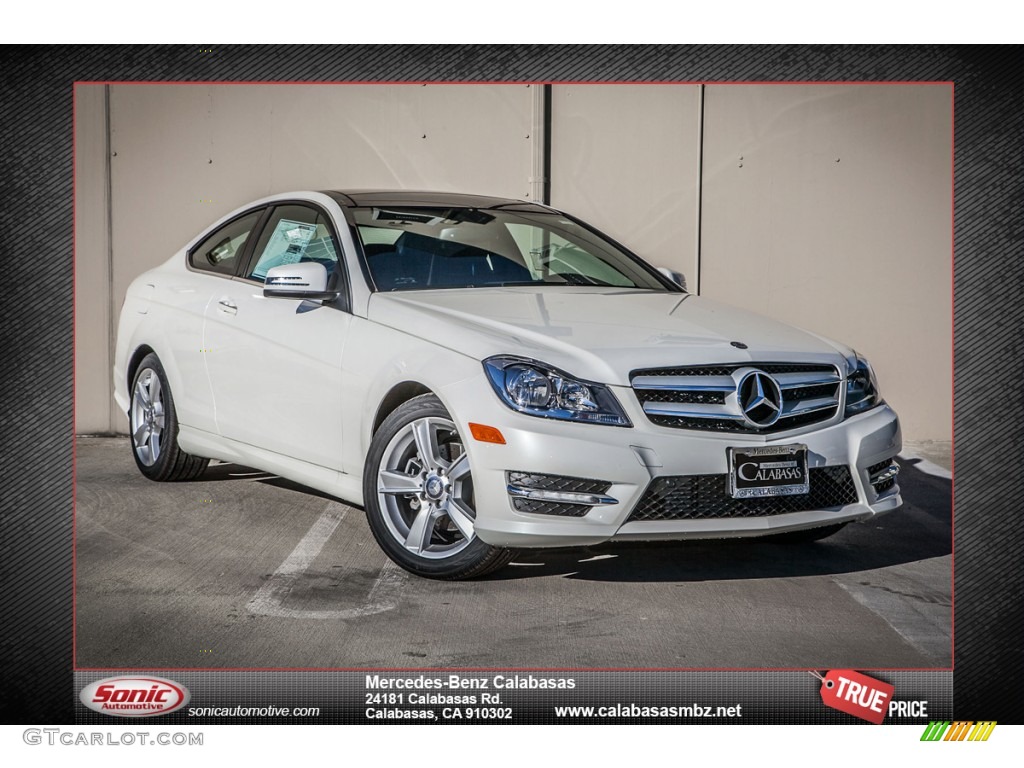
(648, 710)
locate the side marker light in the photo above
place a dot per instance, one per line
(486, 434)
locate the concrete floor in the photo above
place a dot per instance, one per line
(209, 574)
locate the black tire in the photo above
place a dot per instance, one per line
(439, 504)
(807, 534)
(153, 427)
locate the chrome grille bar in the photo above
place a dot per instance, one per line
(797, 407)
(686, 383)
(798, 380)
(690, 411)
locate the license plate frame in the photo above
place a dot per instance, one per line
(778, 470)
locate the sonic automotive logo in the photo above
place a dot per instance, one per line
(964, 730)
(134, 696)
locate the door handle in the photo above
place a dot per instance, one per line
(227, 306)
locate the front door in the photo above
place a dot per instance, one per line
(275, 364)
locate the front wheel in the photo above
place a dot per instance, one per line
(418, 491)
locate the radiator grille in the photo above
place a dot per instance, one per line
(708, 398)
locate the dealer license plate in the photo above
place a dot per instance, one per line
(779, 470)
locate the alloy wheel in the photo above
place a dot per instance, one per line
(147, 417)
(425, 489)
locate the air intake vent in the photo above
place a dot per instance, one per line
(706, 497)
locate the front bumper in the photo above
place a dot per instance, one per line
(631, 458)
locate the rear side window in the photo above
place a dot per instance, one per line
(220, 251)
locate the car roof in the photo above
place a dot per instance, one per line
(405, 197)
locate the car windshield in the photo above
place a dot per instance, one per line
(415, 249)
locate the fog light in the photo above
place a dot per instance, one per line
(560, 497)
(888, 473)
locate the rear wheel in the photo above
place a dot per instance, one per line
(153, 424)
(418, 491)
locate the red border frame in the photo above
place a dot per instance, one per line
(74, 514)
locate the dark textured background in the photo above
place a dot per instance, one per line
(36, 421)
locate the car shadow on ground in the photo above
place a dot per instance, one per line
(223, 471)
(920, 530)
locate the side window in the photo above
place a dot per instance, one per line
(220, 251)
(293, 234)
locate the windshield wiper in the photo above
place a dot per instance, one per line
(577, 279)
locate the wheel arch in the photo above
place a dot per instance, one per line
(400, 393)
(134, 361)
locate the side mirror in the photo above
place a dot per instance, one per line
(676, 277)
(307, 280)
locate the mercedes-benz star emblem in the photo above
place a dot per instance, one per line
(760, 399)
(434, 487)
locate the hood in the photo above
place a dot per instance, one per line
(600, 334)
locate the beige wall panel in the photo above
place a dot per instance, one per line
(185, 155)
(92, 276)
(829, 207)
(625, 159)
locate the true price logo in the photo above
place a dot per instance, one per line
(134, 696)
(856, 694)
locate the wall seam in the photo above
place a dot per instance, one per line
(700, 178)
(540, 133)
(109, 205)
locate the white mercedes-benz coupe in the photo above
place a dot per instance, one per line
(484, 374)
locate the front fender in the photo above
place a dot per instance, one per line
(375, 361)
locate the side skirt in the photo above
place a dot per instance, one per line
(201, 443)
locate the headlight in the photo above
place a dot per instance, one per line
(540, 390)
(861, 387)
